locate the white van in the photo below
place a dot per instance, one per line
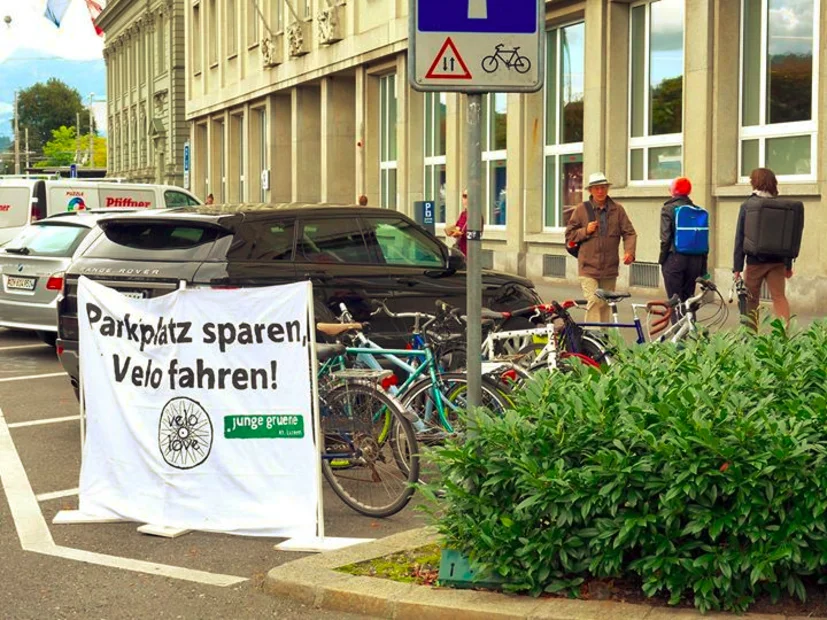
(26, 200)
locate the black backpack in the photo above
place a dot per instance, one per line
(574, 248)
(773, 227)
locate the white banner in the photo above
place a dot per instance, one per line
(198, 408)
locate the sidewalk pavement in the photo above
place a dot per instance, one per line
(314, 581)
(554, 290)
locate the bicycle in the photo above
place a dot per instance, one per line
(434, 397)
(513, 60)
(369, 448)
(676, 320)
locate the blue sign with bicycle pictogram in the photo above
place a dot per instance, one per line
(476, 45)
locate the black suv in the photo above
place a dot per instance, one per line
(352, 255)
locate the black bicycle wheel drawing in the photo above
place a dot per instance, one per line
(490, 63)
(185, 433)
(522, 64)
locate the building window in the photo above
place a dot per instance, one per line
(237, 148)
(387, 141)
(142, 57)
(656, 91)
(261, 115)
(232, 27)
(563, 152)
(253, 7)
(212, 32)
(162, 62)
(308, 9)
(195, 39)
(279, 15)
(779, 40)
(435, 139)
(494, 138)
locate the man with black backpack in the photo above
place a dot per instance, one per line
(593, 235)
(684, 241)
(769, 237)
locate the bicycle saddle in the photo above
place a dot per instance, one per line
(611, 296)
(326, 351)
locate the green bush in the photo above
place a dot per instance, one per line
(699, 468)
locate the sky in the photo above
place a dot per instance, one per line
(33, 49)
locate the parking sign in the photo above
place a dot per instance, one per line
(476, 45)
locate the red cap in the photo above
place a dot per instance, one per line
(680, 187)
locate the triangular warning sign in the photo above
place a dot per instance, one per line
(448, 64)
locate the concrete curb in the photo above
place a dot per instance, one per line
(313, 581)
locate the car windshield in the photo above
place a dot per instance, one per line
(398, 242)
(48, 240)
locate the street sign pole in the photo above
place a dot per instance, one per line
(473, 150)
(476, 47)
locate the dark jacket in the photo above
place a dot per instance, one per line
(667, 228)
(739, 255)
(598, 257)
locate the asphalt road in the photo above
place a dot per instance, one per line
(38, 584)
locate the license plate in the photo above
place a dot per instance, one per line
(24, 284)
(134, 294)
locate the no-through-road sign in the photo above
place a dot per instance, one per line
(476, 45)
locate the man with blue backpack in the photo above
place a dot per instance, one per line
(684, 241)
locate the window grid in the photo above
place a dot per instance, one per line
(387, 141)
(435, 157)
(212, 36)
(555, 150)
(494, 159)
(640, 147)
(760, 133)
(195, 38)
(232, 26)
(253, 21)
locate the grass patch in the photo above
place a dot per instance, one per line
(419, 566)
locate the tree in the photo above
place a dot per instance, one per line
(64, 145)
(49, 106)
(667, 106)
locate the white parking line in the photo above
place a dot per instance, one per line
(45, 497)
(23, 346)
(46, 376)
(67, 418)
(35, 536)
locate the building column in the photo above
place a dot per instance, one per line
(698, 103)
(597, 63)
(614, 86)
(370, 140)
(533, 128)
(516, 180)
(338, 118)
(415, 153)
(403, 161)
(306, 152)
(359, 125)
(281, 148)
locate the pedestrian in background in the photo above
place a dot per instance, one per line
(363, 201)
(774, 270)
(210, 199)
(681, 266)
(597, 226)
(458, 230)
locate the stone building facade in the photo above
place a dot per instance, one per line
(309, 100)
(144, 55)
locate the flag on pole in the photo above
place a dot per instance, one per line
(95, 10)
(55, 10)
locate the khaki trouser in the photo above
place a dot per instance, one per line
(597, 310)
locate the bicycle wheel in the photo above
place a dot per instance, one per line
(597, 350)
(366, 437)
(490, 64)
(522, 64)
(420, 397)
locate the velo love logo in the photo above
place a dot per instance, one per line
(185, 433)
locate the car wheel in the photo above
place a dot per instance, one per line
(48, 337)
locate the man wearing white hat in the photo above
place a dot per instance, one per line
(593, 235)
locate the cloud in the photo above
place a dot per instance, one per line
(30, 30)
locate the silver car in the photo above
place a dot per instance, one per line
(32, 266)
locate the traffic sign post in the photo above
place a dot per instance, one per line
(474, 47)
(186, 165)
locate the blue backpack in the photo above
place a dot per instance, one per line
(691, 230)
